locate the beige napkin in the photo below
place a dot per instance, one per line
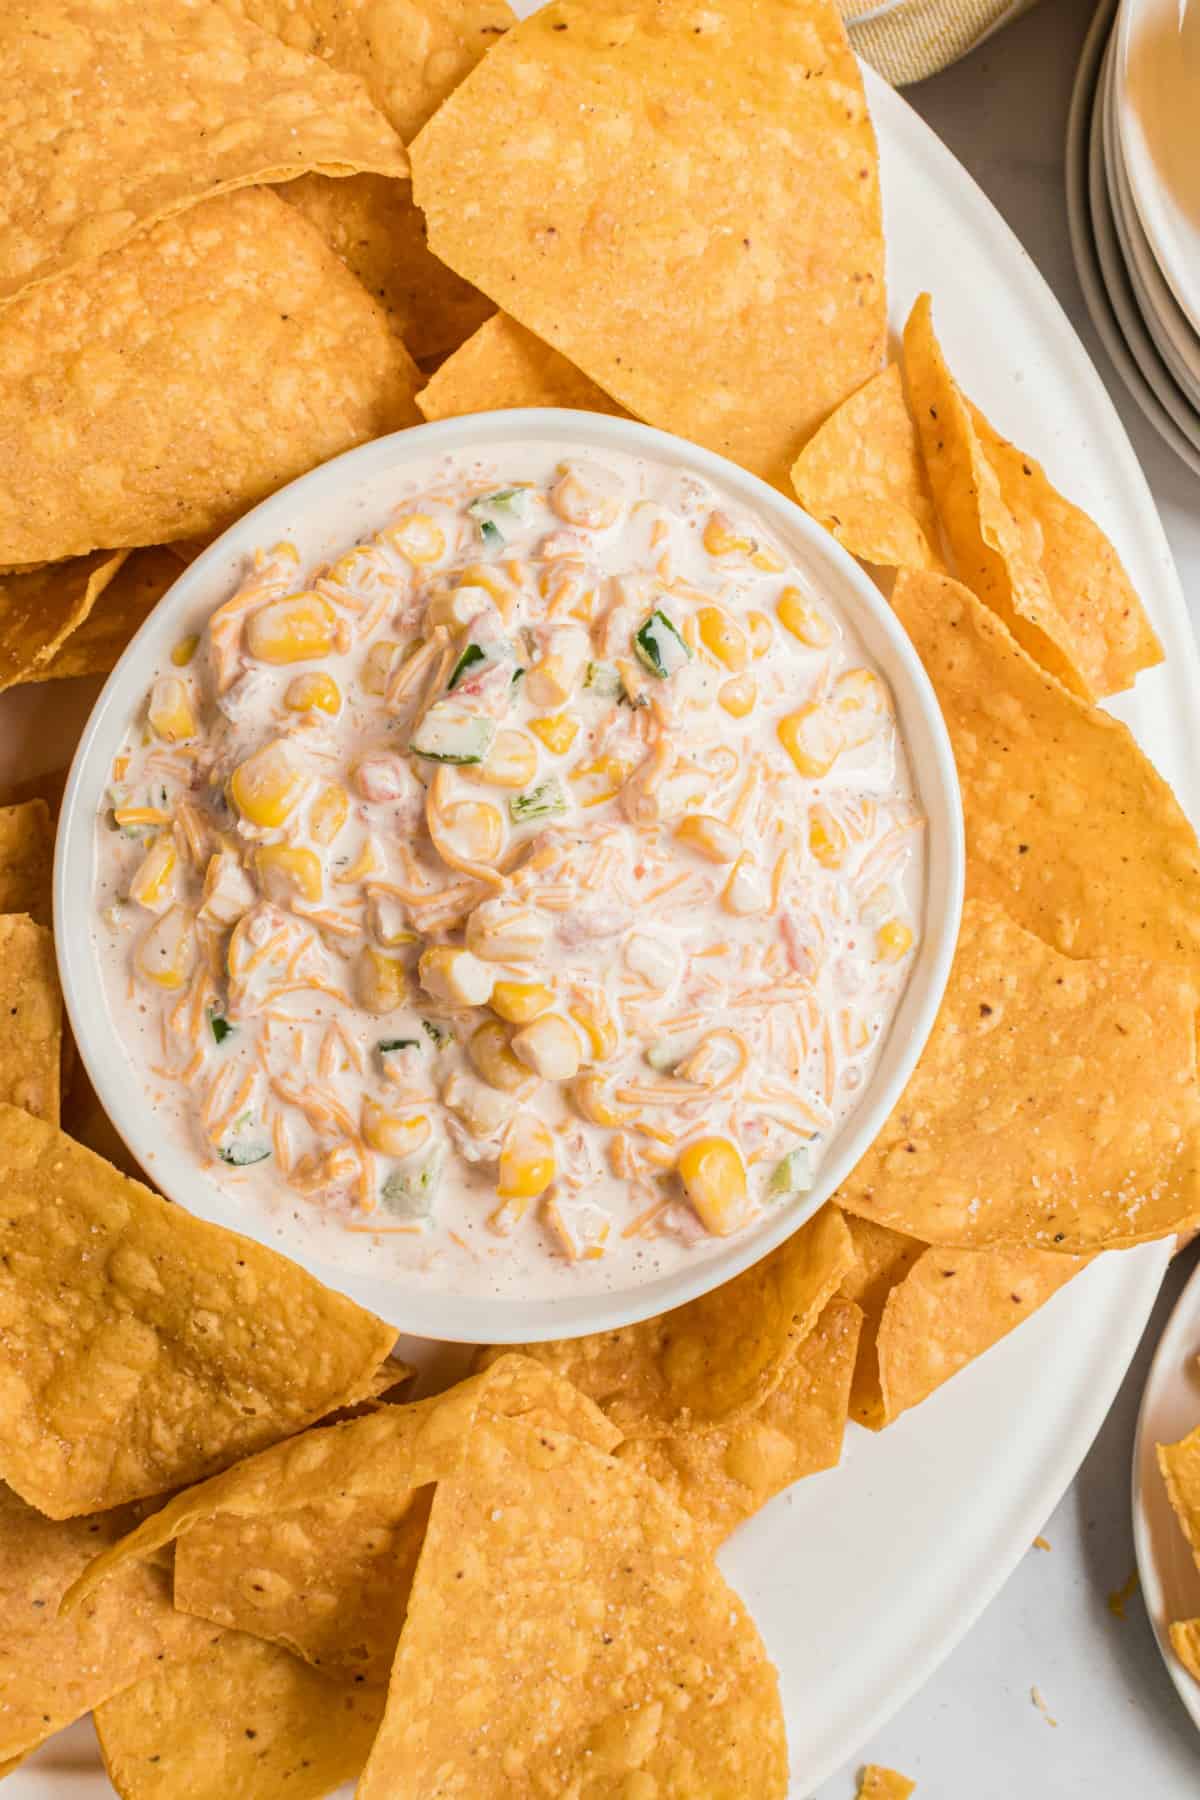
(909, 39)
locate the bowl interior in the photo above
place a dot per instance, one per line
(322, 513)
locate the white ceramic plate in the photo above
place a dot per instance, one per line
(862, 1579)
(1083, 240)
(1170, 1409)
(1157, 92)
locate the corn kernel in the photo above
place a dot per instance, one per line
(382, 980)
(722, 539)
(826, 837)
(474, 830)
(709, 837)
(558, 732)
(812, 738)
(507, 930)
(391, 1133)
(553, 679)
(511, 761)
(481, 1109)
(550, 1047)
(455, 976)
(184, 651)
(286, 873)
(519, 1002)
(738, 695)
(862, 705)
(483, 575)
(723, 638)
(418, 538)
(768, 560)
(153, 884)
(166, 955)
(587, 495)
(745, 892)
(590, 1099)
(296, 629)
(170, 713)
(804, 619)
(596, 1023)
(760, 632)
(309, 691)
(893, 940)
(228, 890)
(491, 1058)
(266, 787)
(328, 813)
(527, 1160)
(378, 664)
(714, 1180)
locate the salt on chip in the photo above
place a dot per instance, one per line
(716, 1359)
(41, 610)
(374, 227)
(566, 1631)
(691, 210)
(94, 647)
(878, 1783)
(30, 1018)
(725, 1475)
(884, 1258)
(1054, 1107)
(184, 377)
(141, 1347)
(950, 1307)
(26, 859)
(861, 476)
(241, 1719)
(149, 110)
(54, 1667)
(505, 365)
(1069, 826)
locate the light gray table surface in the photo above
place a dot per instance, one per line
(974, 1731)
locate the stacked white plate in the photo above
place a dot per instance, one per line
(1133, 199)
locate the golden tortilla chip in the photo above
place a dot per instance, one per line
(1040, 563)
(877, 1783)
(55, 1668)
(148, 110)
(95, 646)
(1185, 1641)
(1069, 827)
(241, 1719)
(1180, 1465)
(378, 233)
(952, 1306)
(690, 208)
(566, 1628)
(724, 1476)
(41, 611)
(26, 859)
(505, 365)
(182, 378)
(862, 477)
(30, 1018)
(411, 54)
(140, 1347)
(1082, 569)
(716, 1359)
(884, 1258)
(1054, 1107)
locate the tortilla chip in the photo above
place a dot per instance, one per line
(505, 365)
(1185, 1641)
(1180, 1465)
(862, 477)
(566, 1627)
(40, 611)
(1082, 569)
(716, 1359)
(724, 1476)
(140, 1347)
(373, 226)
(951, 1307)
(884, 1258)
(1054, 1107)
(691, 210)
(53, 1669)
(243, 1718)
(182, 378)
(30, 1018)
(150, 109)
(95, 646)
(26, 860)
(411, 54)
(1069, 827)
(876, 1783)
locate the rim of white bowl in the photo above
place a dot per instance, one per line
(397, 1295)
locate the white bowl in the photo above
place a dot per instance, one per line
(321, 513)
(1157, 94)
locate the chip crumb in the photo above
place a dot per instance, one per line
(1035, 1695)
(1041, 1543)
(878, 1783)
(1119, 1597)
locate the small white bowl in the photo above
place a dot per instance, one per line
(322, 513)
